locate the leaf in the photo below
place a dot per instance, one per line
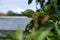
(51, 34)
(30, 1)
(36, 23)
(47, 7)
(57, 28)
(30, 25)
(49, 38)
(42, 3)
(58, 37)
(41, 14)
(54, 1)
(18, 35)
(38, 35)
(33, 36)
(44, 34)
(29, 13)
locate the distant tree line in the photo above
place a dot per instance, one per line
(27, 12)
(10, 13)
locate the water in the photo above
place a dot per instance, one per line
(13, 23)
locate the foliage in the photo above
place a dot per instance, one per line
(29, 1)
(43, 20)
(29, 13)
(45, 24)
(18, 35)
(10, 13)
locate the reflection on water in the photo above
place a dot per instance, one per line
(13, 23)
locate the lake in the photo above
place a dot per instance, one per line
(13, 22)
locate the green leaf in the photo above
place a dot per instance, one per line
(30, 1)
(38, 35)
(44, 34)
(47, 7)
(36, 23)
(54, 2)
(42, 2)
(30, 25)
(57, 28)
(29, 13)
(58, 37)
(51, 34)
(33, 36)
(49, 38)
(18, 35)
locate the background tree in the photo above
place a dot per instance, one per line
(11, 13)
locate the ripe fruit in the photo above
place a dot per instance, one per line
(44, 19)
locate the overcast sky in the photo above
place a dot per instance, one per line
(15, 5)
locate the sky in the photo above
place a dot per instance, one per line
(16, 5)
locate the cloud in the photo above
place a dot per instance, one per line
(18, 10)
(15, 5)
